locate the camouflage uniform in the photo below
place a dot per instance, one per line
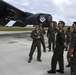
(68, 38)
(73, 60)
(68, 41)
(36, 43)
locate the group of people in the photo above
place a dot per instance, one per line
(60, 41)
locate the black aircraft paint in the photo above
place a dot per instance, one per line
(9, 12)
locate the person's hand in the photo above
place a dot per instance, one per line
(38, 37)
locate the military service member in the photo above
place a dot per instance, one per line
(68, 35)
(42, 38)
(51, 36)
(36, 36)
(72, 51)
(58, 53)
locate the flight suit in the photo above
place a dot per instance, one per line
(58, 53)
(36, 43)
(51, 37)
(73, 60)
(42, 39)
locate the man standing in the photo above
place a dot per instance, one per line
(42, 38)
(68, 37)
(68, 40)
(51, 36)
(36, 36)
(72, 51)
(58, 53)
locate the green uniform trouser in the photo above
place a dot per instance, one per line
(51, 41)
(58, 57)
(35, 43)
(43, 43)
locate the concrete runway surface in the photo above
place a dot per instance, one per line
(14, 50)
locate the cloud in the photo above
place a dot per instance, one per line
(60, 9)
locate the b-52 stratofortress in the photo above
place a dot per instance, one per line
(9, 12)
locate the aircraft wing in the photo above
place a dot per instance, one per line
(9, 12)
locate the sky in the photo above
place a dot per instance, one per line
(59, 9)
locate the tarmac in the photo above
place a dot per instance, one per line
(14, 55)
